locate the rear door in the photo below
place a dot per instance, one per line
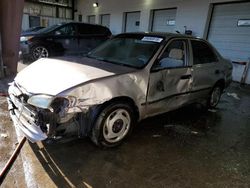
(206, 69)
(170, 79)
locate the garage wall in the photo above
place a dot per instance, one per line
(45, 14)
(44, 21)
(190, 13)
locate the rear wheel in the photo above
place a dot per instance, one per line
(113, 125)
(214, 97)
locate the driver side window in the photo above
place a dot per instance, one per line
(173, 56)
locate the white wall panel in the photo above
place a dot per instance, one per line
(190, 13)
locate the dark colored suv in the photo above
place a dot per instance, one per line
(62, 39)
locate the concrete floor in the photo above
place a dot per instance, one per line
(184, 148)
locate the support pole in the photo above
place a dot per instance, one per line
(11, 12)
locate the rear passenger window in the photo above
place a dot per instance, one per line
(202, 53)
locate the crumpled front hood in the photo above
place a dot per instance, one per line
(52, 76)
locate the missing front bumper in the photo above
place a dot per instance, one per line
(25, 124)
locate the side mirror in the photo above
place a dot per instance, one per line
(156, 66)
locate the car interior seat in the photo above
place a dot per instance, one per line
(174, 59)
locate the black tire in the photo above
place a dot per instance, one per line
(39, 51)
(214, 96)
(121, 112)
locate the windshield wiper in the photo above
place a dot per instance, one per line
(93, 57)
(121, 64)
(110, 61)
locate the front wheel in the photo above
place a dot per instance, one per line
(113, 125)
(39, 52)
(214, 97)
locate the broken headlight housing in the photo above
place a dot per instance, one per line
(41, 101)
(58, 105)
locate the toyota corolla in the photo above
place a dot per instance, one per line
(126, 79)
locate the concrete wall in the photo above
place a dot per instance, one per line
(191, 13)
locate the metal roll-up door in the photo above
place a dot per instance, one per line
(164, 20)
(132, 21)
(105, 20)
(91, 19)
(229, 32)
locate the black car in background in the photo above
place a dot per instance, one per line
(62, 39)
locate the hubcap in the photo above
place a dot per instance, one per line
(116, 125)
(215, 97)
(40, 52)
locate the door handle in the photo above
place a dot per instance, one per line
(185, 77)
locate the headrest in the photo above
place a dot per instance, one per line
(176, 53)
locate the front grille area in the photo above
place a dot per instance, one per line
(26, 117)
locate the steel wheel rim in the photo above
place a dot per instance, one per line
(116, 125)
(40, 52)
(215, 96)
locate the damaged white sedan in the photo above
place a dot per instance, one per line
(128, 78)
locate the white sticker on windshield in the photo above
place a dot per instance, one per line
(152, 39)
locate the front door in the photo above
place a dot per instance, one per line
(66, 37)
(170, 79)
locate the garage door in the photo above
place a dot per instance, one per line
(229, 32)
(132, 21)
(105, 20)
(164, 20)
(91, 19)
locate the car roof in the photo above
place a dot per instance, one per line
(84, 23)
(160, 34)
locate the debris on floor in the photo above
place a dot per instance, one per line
(194, 132)
(3, 135)
(181, 130)
(234, 95)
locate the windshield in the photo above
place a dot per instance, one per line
(49, 29)
(132, 50)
